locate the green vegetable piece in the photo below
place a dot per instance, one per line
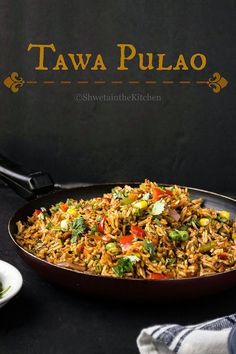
(118, 194)
(223, 220)
(49, 225)
(178, 235)
(183, 228)
(93, 229)
(55, 208)
(149, 247)
(206, 247)
(78, 227)
(156, 220)
(137, 212)
(126, 201)
(125, 265)
(70, 201)
(112, 247)
(98, 268)
(74, 238)
(170, 261)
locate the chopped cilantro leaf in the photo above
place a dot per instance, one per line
(78, 227)
(125, 265)
(118, 193)
(149, 247)
(55, 208)
(49, 225)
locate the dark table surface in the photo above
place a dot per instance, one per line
(44, 318)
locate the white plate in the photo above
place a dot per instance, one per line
(9, 277)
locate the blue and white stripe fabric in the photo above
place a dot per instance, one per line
(209, 337)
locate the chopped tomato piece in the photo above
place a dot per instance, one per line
(223, 256)
(101, 225)
(157, 276)
(137, 231)
(167, 191)
(157, 194)
(160, 193)
(36, 213)
(126, 239)
(63, 207)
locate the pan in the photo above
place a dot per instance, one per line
(40, 191)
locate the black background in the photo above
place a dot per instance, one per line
(188, 138)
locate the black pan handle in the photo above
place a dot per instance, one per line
(27, 184)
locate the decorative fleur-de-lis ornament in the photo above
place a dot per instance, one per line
(14, 82)
(217, 82)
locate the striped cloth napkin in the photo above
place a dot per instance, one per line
(211, 337)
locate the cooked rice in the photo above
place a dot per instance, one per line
(168, 235)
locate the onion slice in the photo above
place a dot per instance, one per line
(70, 265)
(173, 214)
